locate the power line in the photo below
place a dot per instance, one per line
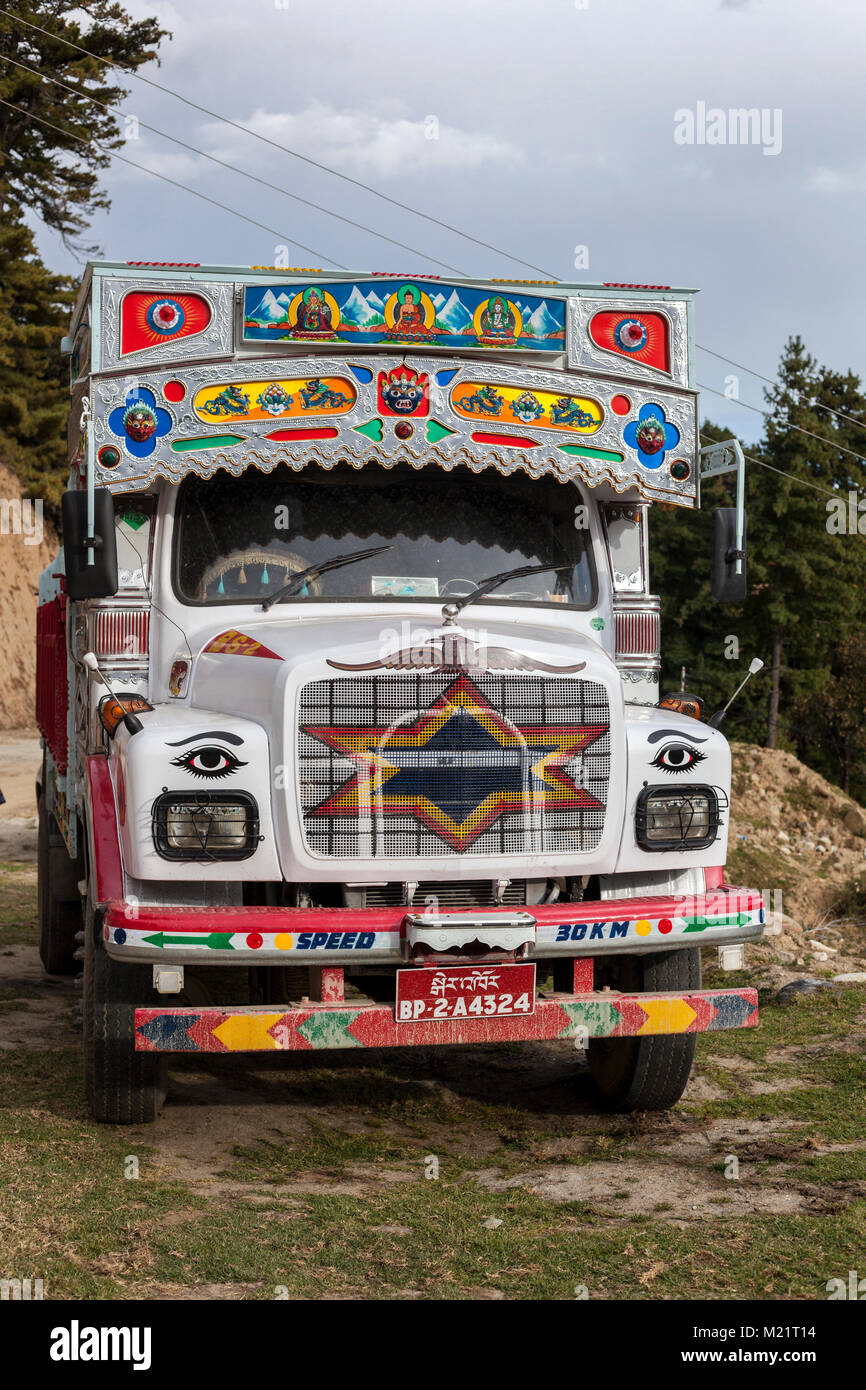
(106, 106)
(767, 414)
(316, 164)
(774, 381)
(792, 477)
(84, 140)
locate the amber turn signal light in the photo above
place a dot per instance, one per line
(114, 708)
(683, 704)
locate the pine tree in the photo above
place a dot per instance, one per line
(46, 171)
(43, 164)
(34, 396)
(804, 579)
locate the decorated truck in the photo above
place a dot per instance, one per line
(348, 677)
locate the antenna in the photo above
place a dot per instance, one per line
(717, 720)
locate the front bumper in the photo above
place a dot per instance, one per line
(346, 936)
(305, 1027)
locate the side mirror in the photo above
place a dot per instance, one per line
(98, 580)
(727, 586)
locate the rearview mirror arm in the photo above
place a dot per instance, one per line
(715, 460)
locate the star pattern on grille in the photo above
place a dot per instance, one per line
(457, 766)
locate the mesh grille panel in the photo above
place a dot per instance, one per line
(408, 766)
(437, 894)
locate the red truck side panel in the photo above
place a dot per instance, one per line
(52, 686)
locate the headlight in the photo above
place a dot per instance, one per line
(205, 825)
(676, 820)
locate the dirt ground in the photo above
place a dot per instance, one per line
(20, 760)
(24, 553)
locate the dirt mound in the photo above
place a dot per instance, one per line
(794, 833)
(22, 557)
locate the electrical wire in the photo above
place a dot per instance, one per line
(768, 415)
(295, 154)
(317, 207)
(112, 154)
(792, 477)
(774, 381)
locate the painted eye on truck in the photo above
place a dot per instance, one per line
(677, 757)
(208, 762)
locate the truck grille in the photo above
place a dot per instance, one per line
(447, 893)
(397, 766)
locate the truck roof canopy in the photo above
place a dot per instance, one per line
(187, 369)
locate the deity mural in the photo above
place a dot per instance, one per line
(409, 310)
(404, 391)
(313, 315)
(498, 319)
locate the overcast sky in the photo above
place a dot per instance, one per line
(555, 123)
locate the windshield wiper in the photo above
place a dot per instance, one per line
(451, 610)
(313, 571)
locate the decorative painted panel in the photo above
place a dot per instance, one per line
(569, 425)
(145, 322)
(418, 313)
(643, 339)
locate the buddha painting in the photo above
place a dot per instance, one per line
(409, 316)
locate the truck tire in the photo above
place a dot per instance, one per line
(58, 899)
(123, 1087)
(647, 1073)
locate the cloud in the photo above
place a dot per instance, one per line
(823, 179)
(366, 141)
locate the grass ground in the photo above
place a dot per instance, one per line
(377, 1175)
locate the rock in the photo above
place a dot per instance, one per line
(783, 836)
(855, 822)
(491, 1223)
(851, 977)
(789, 992)
(822, 946)
(394, 1230)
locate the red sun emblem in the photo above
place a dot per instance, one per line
(148, 320)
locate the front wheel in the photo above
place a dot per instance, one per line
(646, 1073)
(58, 899)
(123, 1087)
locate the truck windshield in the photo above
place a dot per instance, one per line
(240, 540)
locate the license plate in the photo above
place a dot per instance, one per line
(483, 991)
